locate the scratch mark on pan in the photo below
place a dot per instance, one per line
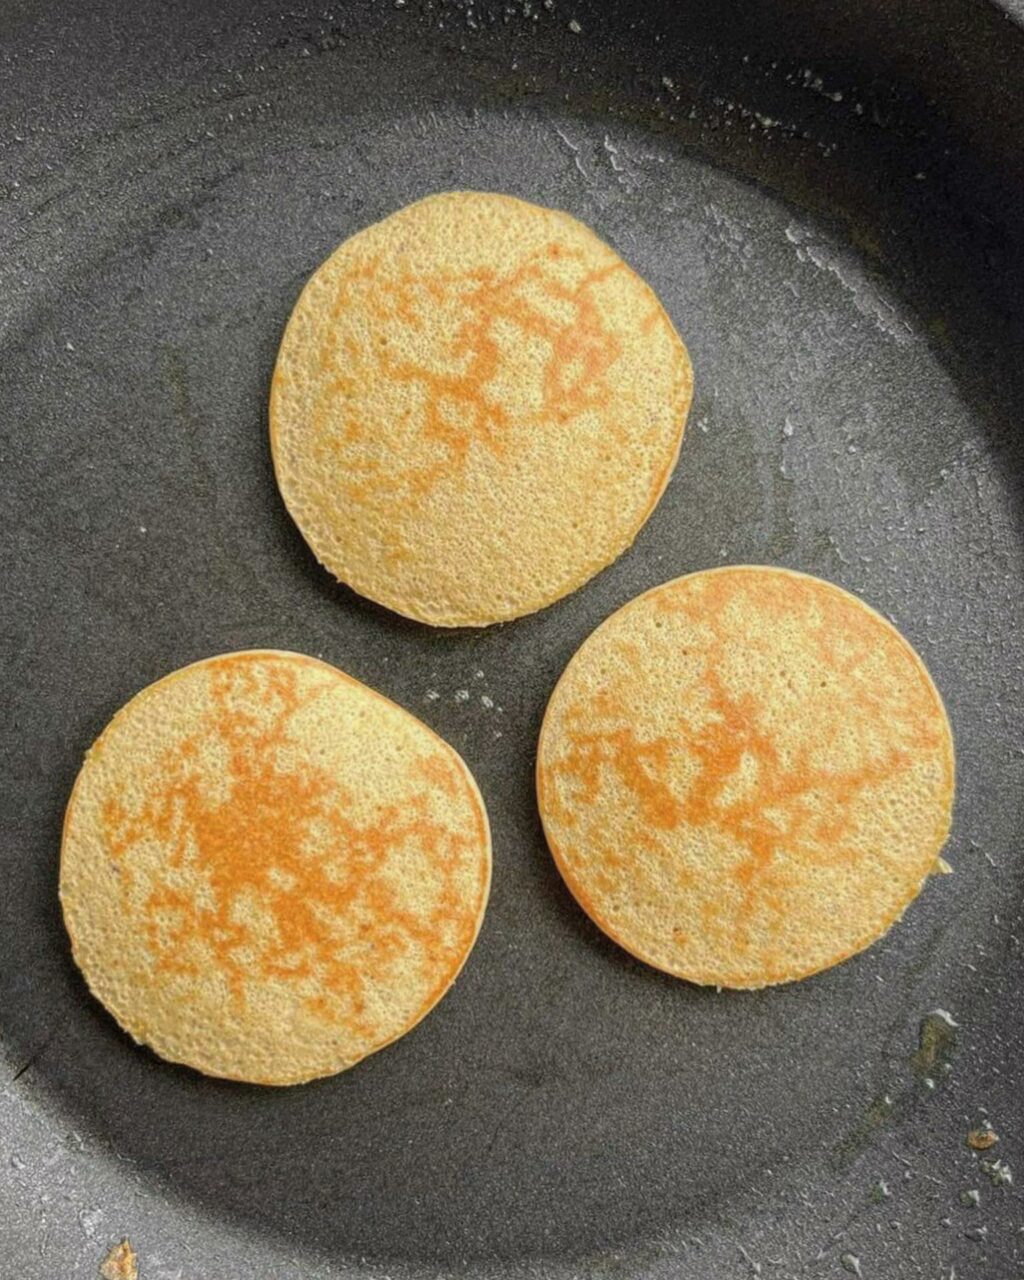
(33, 1058)
(575, 153)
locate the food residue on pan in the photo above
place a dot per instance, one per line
(983, 1137)
(121, 1263)
(998, 1172)
(936, 1042)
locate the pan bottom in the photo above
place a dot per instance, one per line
(564, 1102)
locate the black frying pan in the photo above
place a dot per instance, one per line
(828, 198)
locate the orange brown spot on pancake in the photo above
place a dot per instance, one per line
(745, 775)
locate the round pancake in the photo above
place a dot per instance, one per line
(475, 408)
(268, 870)
(745, 776)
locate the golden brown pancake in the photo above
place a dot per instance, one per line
(475, 408)
(268, 870)
(745, 776)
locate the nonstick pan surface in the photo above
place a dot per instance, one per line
(829, 201)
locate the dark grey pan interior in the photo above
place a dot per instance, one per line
(828, 198)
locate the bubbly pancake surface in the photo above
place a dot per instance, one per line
(476, 406)
(745, 776)
(268, 870)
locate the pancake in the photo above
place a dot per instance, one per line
(268, 870)
(745, 776)
(475, 408)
